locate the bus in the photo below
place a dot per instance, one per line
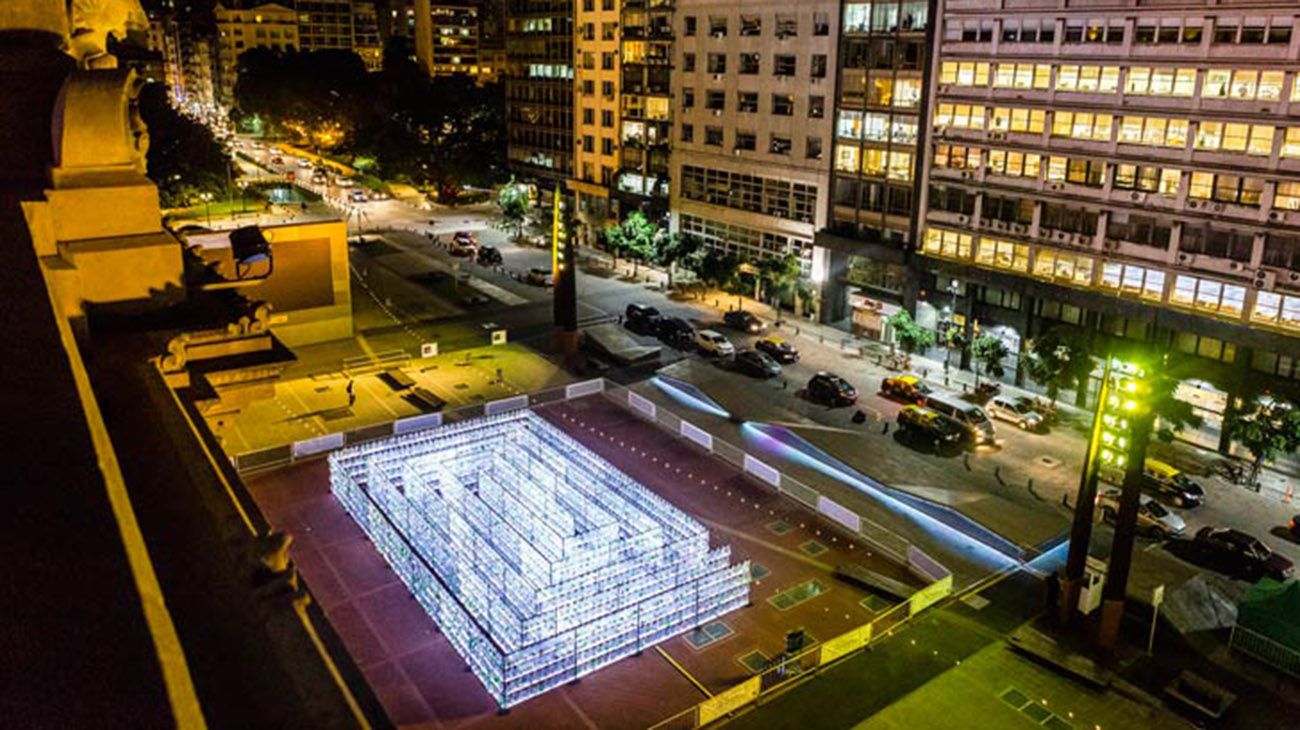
(971, 416)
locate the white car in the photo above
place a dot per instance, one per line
(1153, 518)
(711, 342)
(1006, 409)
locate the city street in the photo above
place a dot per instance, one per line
(408, 289)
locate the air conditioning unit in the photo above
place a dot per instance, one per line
(1058, 186)
(1000, 225)
(966, 174)
(1294, 276)
(1020, 228)
(1138, 197)
(717, 112)
(1218, 207)
(1275, 215)
(717, 77)
(963, 219)
(997, 135)
(1061, 235)
(1193, 204)
(1082, 240)
(1186, 259)
(1265, 279)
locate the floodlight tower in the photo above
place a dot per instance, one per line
(1126, 429)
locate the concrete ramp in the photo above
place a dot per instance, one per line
(613, 342)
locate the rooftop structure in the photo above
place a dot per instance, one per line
(539, 561)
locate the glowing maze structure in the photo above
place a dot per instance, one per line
(539, 561)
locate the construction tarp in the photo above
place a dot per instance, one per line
(1273, 610)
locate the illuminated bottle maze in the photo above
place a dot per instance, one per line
(539, 561)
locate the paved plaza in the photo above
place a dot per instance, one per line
(421, 681)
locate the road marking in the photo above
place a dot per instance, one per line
(685, 673)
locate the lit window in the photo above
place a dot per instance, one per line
(1291, 142)
(847, 158)
(1082, 125)
(966, 73)
(1270, 85)
(1003, 254)
(946, 243)
(1287, 196)
(1093, 79)
(1277, 309)
(1064, 267)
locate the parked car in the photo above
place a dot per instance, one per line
(780, 350)
(1153, 518)
(1016, 412)
(1294, 527)
(641, 318)
(675, 332)
(277, 160)
(540, 277)
(358, 196)
(710, 342)
(464, 238)
(739, 319)
(1167, 481)
(303, 162)
(967, 414)
(1239, 555)
(757, 364)
(926, 424)
(345, 182)
(488, 256)
(831, 389)
(907, 388)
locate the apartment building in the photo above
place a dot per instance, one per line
(324, 24)
(366, 39)
(880, 112)
(752, 84)
(1133, 172)
(539, 89)
(455, 37)
(596, 82)
(241, 29)
(646, 117)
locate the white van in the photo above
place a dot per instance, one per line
(969, 415)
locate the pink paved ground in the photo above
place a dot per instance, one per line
(422, 683)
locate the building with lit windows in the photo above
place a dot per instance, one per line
(539, 89)
(596, 83)
(876, 162)
(455, 38)
(366, 39)
(241, 29)
(646, 123)
(324, 24)
(753, 84)
(1132, 173)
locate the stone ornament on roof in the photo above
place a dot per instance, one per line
(93, 21)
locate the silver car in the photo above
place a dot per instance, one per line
(1153, 518)
(1006, 409)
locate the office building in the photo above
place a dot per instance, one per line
(1133, 173)
(539, 89)
(876, 162)
(239, 29)
(366, 40)
(455, 33)
(596, 84)
(753, 83)
(324, 25)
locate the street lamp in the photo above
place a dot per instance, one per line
(207, 205)
(953, 286)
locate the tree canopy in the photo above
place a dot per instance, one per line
(1266, 427)
(446, 132)
(908, 334)
(635, 237)
(1058, 359)
(989, 351)
(184, 159)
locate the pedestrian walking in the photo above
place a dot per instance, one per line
(352, 395)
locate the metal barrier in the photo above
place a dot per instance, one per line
(1272, 653)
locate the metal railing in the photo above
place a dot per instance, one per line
(1272, 653)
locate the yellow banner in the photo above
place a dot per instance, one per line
(729, 701)
(845, 643)
(557, 232)
(929, 594)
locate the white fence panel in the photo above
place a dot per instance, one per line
(839, 513)
(417, 423)
(641, 404)
(320, 444)
(762, 471)
(589, 387)
(505, 404)
(694, 433)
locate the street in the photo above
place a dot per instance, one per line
(408, 290)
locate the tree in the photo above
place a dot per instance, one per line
(184, 159)
(515, 204)
(320, 97)
(672, 248)
(989, 351)
(908, 334)
(635, 238)
(1172, 415)
(714, 267)
(781, 273)
(1266, 427)
(1058, 359)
